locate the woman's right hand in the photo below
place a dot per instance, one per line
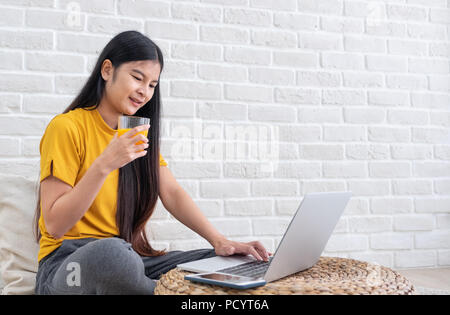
(122, 150)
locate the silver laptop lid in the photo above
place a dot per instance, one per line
(307, 234)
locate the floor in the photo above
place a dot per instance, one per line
(433, 279)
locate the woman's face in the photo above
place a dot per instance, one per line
(130, 86)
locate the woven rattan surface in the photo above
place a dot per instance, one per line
(331, 275)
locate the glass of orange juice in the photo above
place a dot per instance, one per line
(126, 123)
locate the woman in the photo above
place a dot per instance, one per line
(98, 190)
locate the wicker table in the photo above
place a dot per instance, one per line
(331, 275)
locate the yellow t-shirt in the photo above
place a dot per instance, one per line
(72, 141)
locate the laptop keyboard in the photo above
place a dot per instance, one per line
(251, 269)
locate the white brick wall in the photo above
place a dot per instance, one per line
(273, 99)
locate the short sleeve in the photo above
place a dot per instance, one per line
(60, 150)
(162, 162)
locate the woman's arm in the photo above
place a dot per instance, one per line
(177, 201)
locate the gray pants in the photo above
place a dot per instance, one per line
(106, 266)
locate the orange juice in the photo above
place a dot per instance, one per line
(125, 130)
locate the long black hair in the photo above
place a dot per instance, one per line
(138, 187)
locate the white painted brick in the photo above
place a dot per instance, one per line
(439, 82)
(425, 65)
(195, 169)
(286, 206)
(249, 207)
(297, 170)
(297, 96)
(345, 133)
(357, 206)
(245, 170)
(431, 169)
(385, 28)
(430, 100)
(438, 239)
(444, 257)
(41, 40)
(219, 111)
(388, 98)
(391, 206)
(430, 135)
(392, 241)
(367, 152)
(288, 5)
(388, 134)
(320, 41)
(10, 147)
(364, 115)
(321, 6)
(275, 188)
(275, 113)
(432, 205)
(318, 78)
(247, 17)
(11, 60)
(364, 44)
(443, 221)
(270, 226)
(426, 31)
(411, 187)
(112, 25)
(54, 62)
(247, 93)
(221, 73)
(341, 24)
(271, 76)
(363, 80)
(10, 103)
(319, 186)
(413, 152)
(344, 169)
(232, 227)
(23, 125)
(297, 59)
(295, 21)
(299, 133)
(178, 108)
(414, 222)
(92, 6)
(442, 152)
(389, 169)
(387, 63)
(415, 259)
(439, 49)
(53, 20)
(27, 83)
(222, 34)
(347, 243)
(193, 51)
(440, 118)
(196, 13)
(224, 189)
(244, 55)
(369, 224)
(407, 117)
(343, 97)
(278, 39)
(196, 90)
(442, 186)
(30, 147)
(383, 259)
(369, 188)
(321, 152)
(407, 47)
(319, 115)
(408, 13)
(342, 61)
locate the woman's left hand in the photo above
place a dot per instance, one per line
(226, 247)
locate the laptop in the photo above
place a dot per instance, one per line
(300, 248)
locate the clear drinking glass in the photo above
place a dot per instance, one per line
(126, 123)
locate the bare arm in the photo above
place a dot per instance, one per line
(63, 206)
